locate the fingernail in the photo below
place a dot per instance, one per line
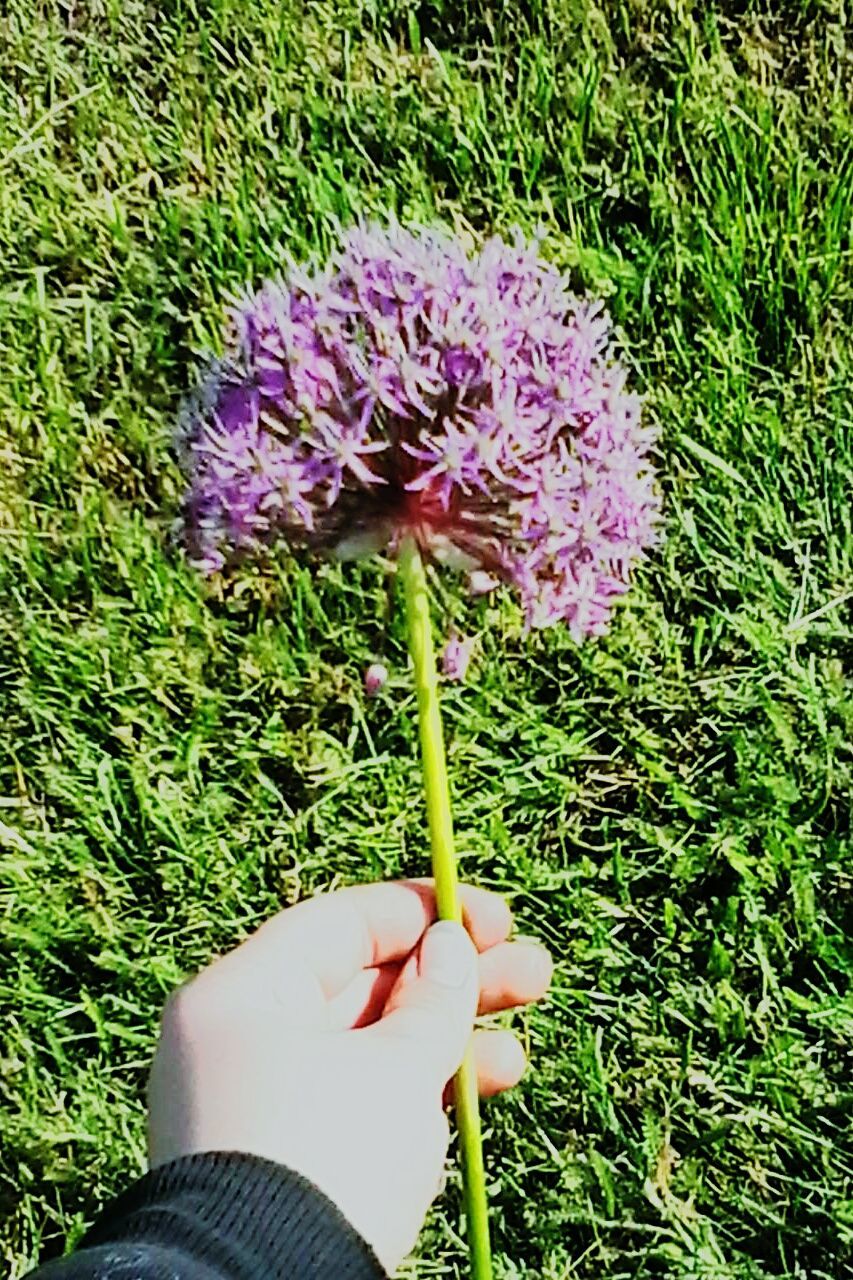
(447, 955)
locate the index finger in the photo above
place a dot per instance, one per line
(336, 935)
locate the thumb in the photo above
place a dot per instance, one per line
(436, 1011)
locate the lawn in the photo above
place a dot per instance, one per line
(668, 808)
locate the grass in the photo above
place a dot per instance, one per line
(668, 808)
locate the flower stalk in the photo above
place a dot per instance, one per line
(440, 821)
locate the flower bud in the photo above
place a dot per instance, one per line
(375, 677)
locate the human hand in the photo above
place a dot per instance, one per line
(326, 1041)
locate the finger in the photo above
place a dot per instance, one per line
(333, 937)
(336, 935)
(513, 973)
(407, 973)
(363, 1000)
(500, 1061)
(435, 1013)
(486, 915)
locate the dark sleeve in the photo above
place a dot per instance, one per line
(221, 1216)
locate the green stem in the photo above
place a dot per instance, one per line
(440, 821)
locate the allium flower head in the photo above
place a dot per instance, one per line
(409, 387)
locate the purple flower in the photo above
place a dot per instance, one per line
(375, 677)
(409, 387)
(457, 655)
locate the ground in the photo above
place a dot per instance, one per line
(668, 807)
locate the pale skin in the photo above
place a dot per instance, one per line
(326, 1043)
